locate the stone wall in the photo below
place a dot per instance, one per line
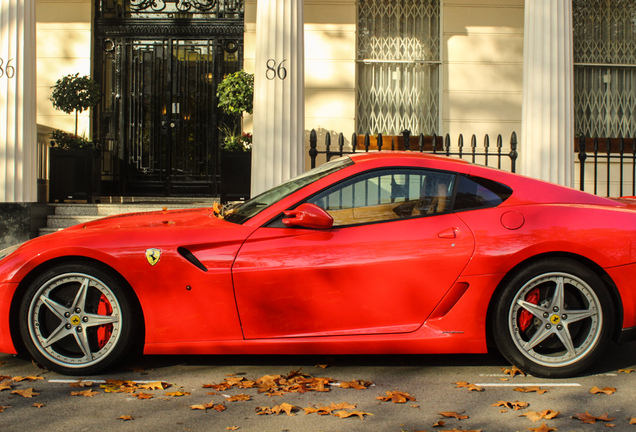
(20, 222)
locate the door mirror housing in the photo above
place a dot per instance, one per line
(308, 216)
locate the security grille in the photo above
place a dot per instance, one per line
(398, 65)
(605, 67)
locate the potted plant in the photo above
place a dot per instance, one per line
(73, 161)
(236, 96)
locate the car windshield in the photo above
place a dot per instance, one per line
(248, 209)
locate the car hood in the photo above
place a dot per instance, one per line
(167, 218)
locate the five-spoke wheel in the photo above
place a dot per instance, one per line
(553, 318)
(77, 319)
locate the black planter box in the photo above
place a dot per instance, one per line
(73, 175)
(236, 176)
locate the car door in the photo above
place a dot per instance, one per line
(392, 254)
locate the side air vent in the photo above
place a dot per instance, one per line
(190, 257)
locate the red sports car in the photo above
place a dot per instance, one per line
(391, 252)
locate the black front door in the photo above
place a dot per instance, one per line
(158, 124)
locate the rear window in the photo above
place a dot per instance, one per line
(477, 192)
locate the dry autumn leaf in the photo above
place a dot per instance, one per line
(346, 414)
(26, 378)
(80, 383)
(632, 420)
(38, 405)
(450, 414)
(531, 389)
(536, 416)
(284, 407)
(396, 397)
(143, 395)
(355, 384)
(239, 398)
(125, 418)
(6, 385)
(178, 393)
(626, 370)
(329, 409)
(207, 406)
(157, 385)
(2, 408)
(512, 371)
(27, 393)
(469, 386)
(516, 405)
(604, 390)
(542, 428)
(232, 428)
(591, 419)
(85, 393)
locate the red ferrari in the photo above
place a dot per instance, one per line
(391, 252)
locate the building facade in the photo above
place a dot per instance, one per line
(546, 69)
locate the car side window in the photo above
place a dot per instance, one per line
(476, 192)
(386, 195)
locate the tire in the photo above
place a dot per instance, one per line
(553, 318)
(78, 319)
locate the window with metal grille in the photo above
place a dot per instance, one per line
(605, 67)
(398, 66)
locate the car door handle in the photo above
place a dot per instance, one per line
(450, 233)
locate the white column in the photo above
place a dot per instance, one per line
(547, 128)
(18, 167)
(279, 94)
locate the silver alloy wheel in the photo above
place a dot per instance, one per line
(564, 325)
(64, 320)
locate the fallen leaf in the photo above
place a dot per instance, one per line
(450, 414)
(177, 393)
(440, 423)
(232, 428)
(542, 428)
(284, 407)
(512, 371)
(469, 386)
(516, 405)
(2, 408)
(322, 366)
(207, 406)
(27, 393)
(143, 395)
(396, 397)
(590, 419)
(26, 378)
(6, 385)
(125, 418)
(632, 420)
(345, 414)
(239, 398)
(80, 383)
(157, 385)
(626, 370)
(531, 389)
(604, 390)
(356, 384)
(85, 393)
(536, 416)
(38, 405)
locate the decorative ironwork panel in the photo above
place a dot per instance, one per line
(209, 9)
(398, 66)
(605, 67)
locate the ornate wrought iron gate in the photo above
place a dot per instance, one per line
(159, 65)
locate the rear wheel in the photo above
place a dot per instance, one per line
(553, 318)
(77, 319)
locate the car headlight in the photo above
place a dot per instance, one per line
(9, 250)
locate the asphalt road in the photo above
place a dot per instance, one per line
(428, 380)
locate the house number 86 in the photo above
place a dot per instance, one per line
(274, 70)
(7, 70)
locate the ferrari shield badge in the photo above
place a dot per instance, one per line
(153, 255)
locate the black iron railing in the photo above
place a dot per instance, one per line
(434, 144)
(607, 160)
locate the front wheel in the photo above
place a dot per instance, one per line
(77, 319)
(553, 318)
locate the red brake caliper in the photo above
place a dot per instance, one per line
(525, 317)
(105, 331)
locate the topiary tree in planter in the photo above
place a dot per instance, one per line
(75, 93)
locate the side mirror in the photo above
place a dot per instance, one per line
(308, 216)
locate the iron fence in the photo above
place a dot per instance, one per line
(611, 164)
(499, 157)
